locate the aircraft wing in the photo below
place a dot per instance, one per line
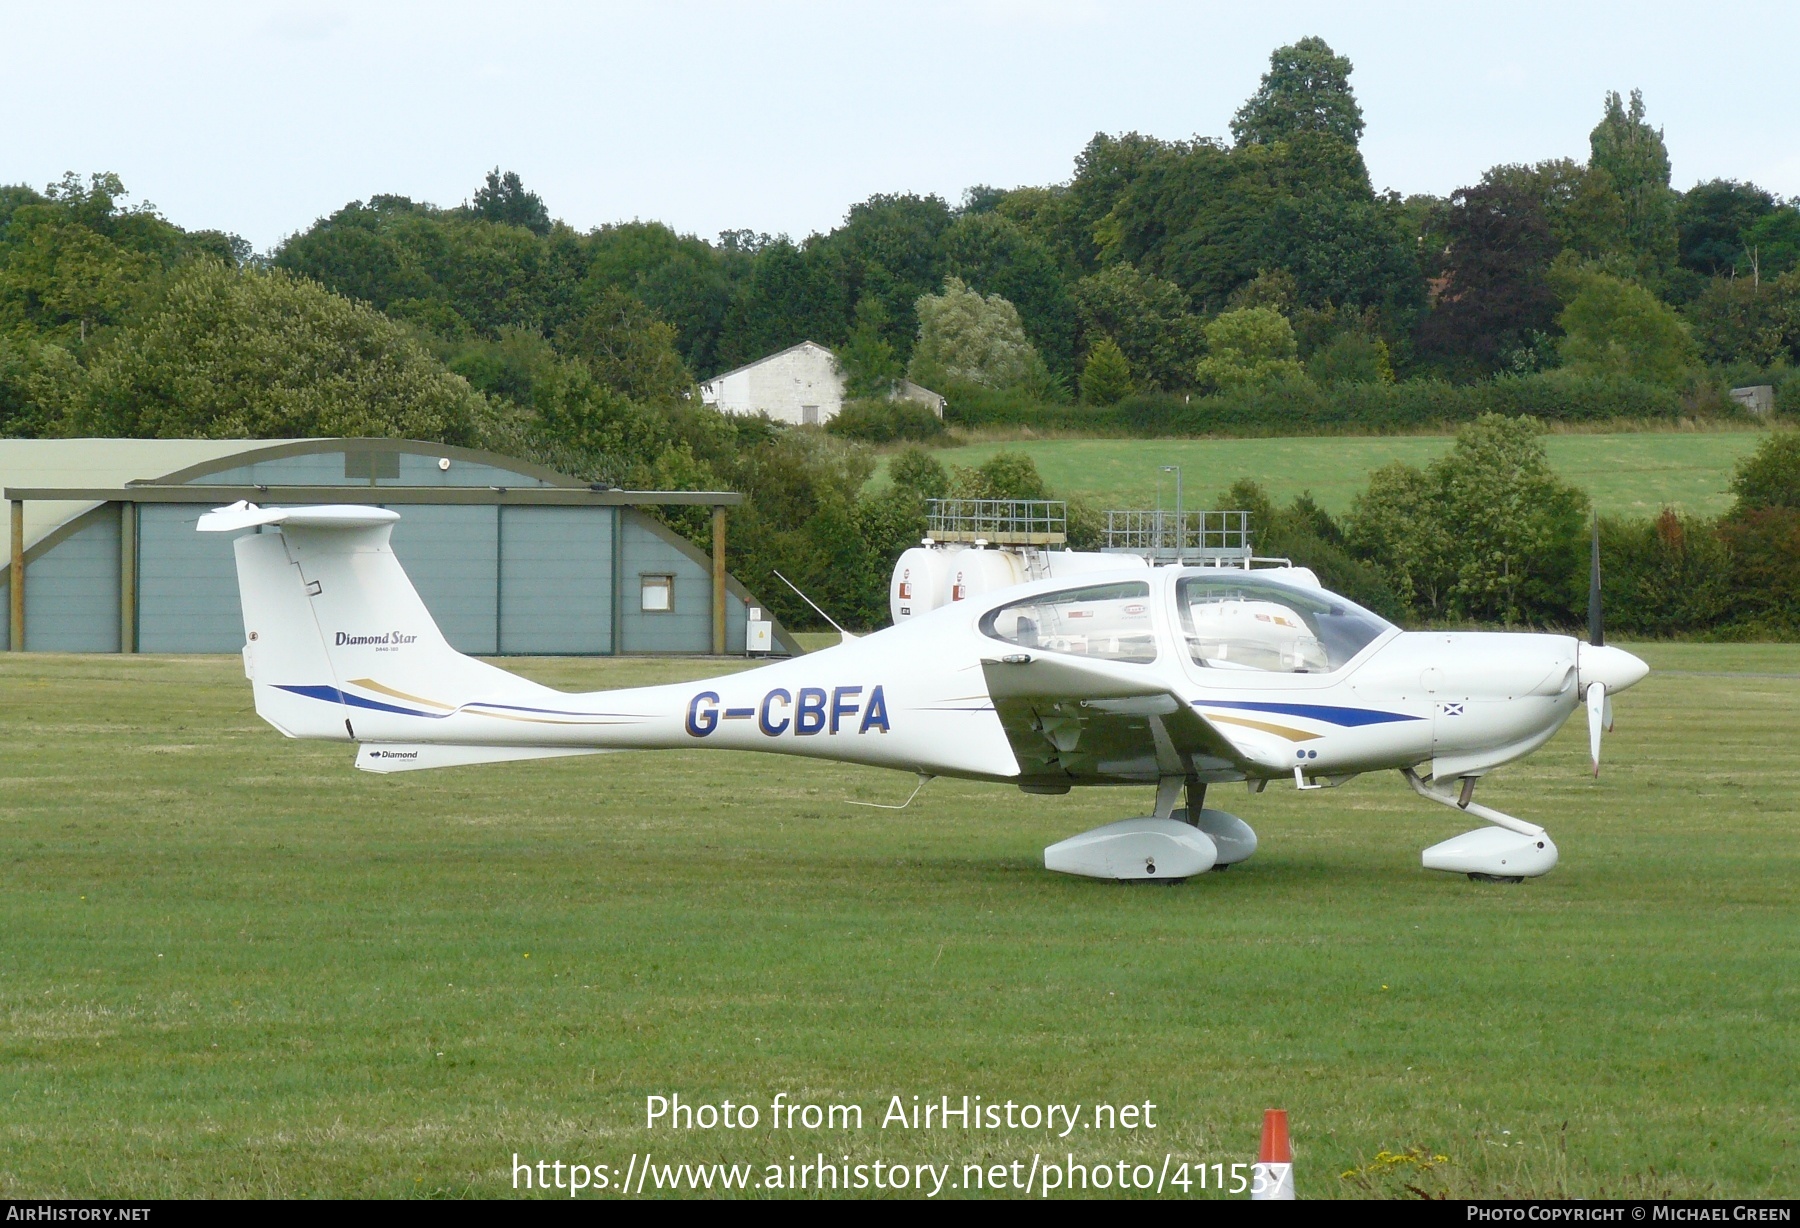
(1075, 721)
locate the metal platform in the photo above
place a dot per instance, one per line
(999, 522)
(1198, 538)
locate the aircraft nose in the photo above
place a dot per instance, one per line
(1615, 668)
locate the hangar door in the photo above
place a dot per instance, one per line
(513, 579)
(496, 579)
(187, 583)
(556, 579)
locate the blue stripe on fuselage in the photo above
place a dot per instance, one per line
(1316, 712)
(331, 694)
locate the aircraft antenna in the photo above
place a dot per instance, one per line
(815, 605)
(925, 778)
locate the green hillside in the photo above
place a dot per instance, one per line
(1630, 474)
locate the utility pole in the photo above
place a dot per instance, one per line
(1180, 527)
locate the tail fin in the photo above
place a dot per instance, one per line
(338, 643)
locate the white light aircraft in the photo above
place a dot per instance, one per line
(1172, 677)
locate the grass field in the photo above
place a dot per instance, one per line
(231, 965)
(1626, 474)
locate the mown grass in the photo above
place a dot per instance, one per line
(1634, 473)
(231, 965)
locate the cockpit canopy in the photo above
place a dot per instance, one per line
(1109, 621)
(1228, 621)
(1255, 623)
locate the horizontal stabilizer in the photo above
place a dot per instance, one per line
(242, 515)
(401, 757)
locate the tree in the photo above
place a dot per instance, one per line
(1633, 154)
(1398, 522)
(503, 199)
(687, 281)
(1105, 171)
(790, 296)
(1147, 318)
(1249, 347)
(35, 377)
(1580, 204)
(1307, 89)
(1047, 215)
(1771, 243)
(1763, 531)
(229, 354)
(1004, 475)
(867, 360)
(1352, 357)
(981, 198)
(450, 271)
(629, 348)
(1486, 532)
(963, 336)
(1106, 379)
(1745, 319)
(1519, 527)
(919, 472)
(73, 258)
(1770, 476)
(1495, 291)
(1275, 289)
(1614, 327)
(994, 255)
(1667, 576)
(889, 248)
(1345, 248)
(1710, 221)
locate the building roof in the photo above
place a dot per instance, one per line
(97, 462)
(767, 357)
(63, 479)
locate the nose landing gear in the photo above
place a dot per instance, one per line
(1510, 851)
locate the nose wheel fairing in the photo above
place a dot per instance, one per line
(1510, 850)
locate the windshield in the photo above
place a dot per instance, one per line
(1111, 621)
(1248, 622)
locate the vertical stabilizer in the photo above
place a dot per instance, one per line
(337, 642)
(284, 656)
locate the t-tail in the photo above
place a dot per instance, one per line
(338, 646)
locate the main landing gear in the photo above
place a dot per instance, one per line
(1173, 844)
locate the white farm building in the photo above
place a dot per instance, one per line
(800, 385)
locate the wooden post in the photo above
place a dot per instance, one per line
(718, 580)
(127, 577)
(16, 588)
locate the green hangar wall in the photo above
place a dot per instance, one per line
(509, 557)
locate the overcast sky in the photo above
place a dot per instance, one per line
(778, 116)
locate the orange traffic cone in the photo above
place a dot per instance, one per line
(1273, 1176)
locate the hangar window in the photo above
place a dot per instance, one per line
(657, 594)
(1109, 621)
(1252, 623)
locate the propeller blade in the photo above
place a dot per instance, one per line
(1596, 705)
(1606, 719)
(1596, 624)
